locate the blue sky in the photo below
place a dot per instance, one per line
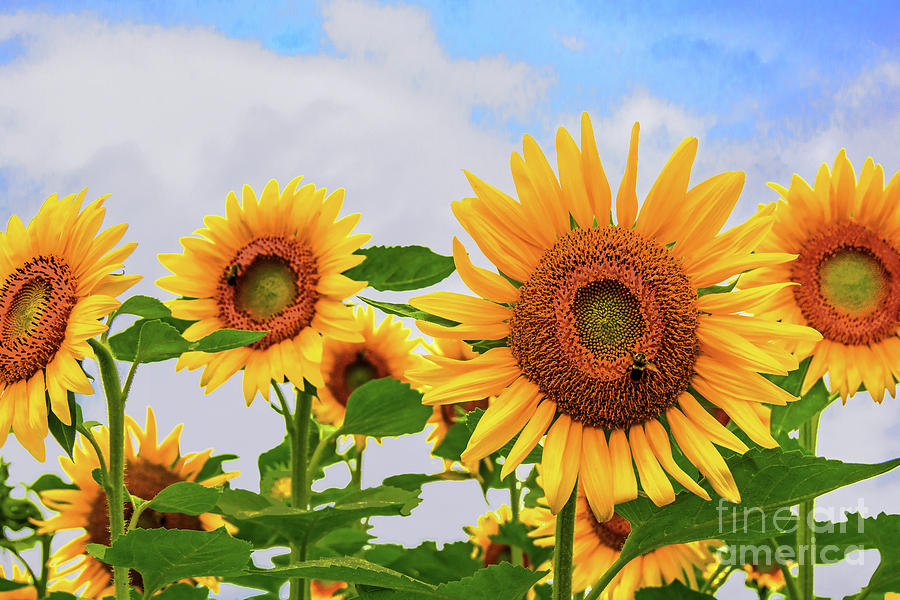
(168, 105)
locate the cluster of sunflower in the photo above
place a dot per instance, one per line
(597, 367)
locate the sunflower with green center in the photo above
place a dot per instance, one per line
(606, 334)
(273, 264)
(845, 281)
(385, 351)
(149, 468)
(598, 545)
(57, 282)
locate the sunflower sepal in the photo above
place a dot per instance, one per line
(400, 268)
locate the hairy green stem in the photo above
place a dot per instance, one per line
(300, 482)
(806, 539)
(514, 495)
(316, 458)
(41, 584)
(115, 496)
(562, 552)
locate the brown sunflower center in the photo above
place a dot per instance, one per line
(497, 553)
(606, 327)
(849, 284)
(270, 284)
(612, 533)
(451, 413)
(35, 303)
(353, 368)
(145, 480)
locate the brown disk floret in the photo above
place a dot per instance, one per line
(351, 370)
(269, 285)
(35, 303)
(606, 327)
(144, 480)
(849, 285)
(612, 533)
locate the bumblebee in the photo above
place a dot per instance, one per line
(639, 365)
(231, 274)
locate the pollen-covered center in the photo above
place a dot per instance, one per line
(353, 367)
(612, 533)
(270, 284)
(35, 303)
(606, 327)
(849, 284)
(145, 480)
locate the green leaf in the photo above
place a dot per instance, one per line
(405, 310)
(383, 408)
(226, 339)
(49, 481)
(213, 466)
(162, 556)
(183, 591)
(426, 562)
(717, 289)
(350, 570)
(156, 341)
(673, 591)
(62, 433)
(411, 481)
(454, 443)
(879, 533)
(792, 415)
(7, 585)
(125, 344)
(401, 268)
(769, 480)
(344, 541)
(249, 512)
(185, 497)
(144, 306)
(498, 582)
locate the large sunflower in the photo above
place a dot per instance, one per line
(445, 416)
(603, 327)
(846, 276)
(599, 543)
(57, 281)
(271, 264)
(149, 469)
(385, 351)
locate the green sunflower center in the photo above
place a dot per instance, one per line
(35, 303)
(358, 373)
(353, 366)
(271, 284)
(849, 284)
(853, 281)
(607, 317)
(266, 288)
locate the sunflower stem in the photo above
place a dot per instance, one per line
(356, 472)
(562, 551)
(112, 387)
(806, 539)
(790, 584)
(41, 584)
(514, 494)
(300, 482)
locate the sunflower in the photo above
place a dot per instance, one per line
(271, 264)
(445, 416)
(762, 576)
(602, 327)
(488, 525)
(846, 278)
(58, 281)
(148, 470)
(29, 592)
(323, 590)
(385, 351)
(599, 543)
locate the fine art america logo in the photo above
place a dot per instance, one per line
(780, 529)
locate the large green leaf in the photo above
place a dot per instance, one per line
(162, 556)
(497, 582)
(383, 408)
(183, 591)
(426, 562)
(252, 512)
(673, 591)
(769, 480)
(50, 481)
(156, 340)
(350, 570)
(405, 310)
(401, 268)
(62, 433)
(7, 585)
(185, 497)
(144, 306)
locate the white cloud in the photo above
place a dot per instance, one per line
(570, 42)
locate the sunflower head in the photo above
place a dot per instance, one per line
(765, 576)
(385, 350)
(273, 264)
(324, 590)
(150, 467)
(57, 279)
(604, 331)
(488, 526)
(845, 281)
